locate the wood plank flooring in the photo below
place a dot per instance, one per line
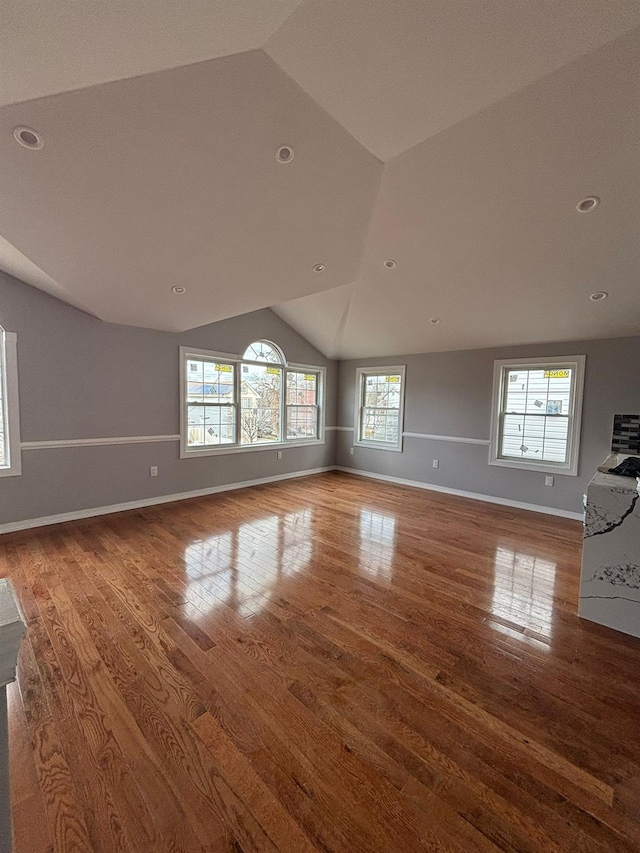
(327, 664)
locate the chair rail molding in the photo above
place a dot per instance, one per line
(455, 438)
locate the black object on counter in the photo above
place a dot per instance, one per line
(627, 468)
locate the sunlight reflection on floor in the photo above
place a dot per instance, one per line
(243, 567)
(377, 543)
(523, 590)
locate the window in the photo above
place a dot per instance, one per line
(211, 403)
(10, 462)
(537, 406)
(302, 404)
(263, 351)
(379, 407)
(232, 403)
(260, 420)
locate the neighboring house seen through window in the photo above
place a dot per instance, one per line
(380, 407)
(248, 402)
(10, 462)
(537, 405)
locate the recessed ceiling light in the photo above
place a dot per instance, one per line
(434, 320)
(390, 264)
(28, 138)
(178, 288)
(586, 205)
(284, 154)
(319, 268)
(598, 296)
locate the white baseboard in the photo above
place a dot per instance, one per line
(28, 523)
(432, 487)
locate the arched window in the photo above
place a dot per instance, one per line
(10, 463)
(264, 351)
(248, 402)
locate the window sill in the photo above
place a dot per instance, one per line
(372, 445)
(249, 448)
(16, 471)
(542, 468)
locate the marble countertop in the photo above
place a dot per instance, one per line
(12, 629)
(610, 580)
(610, 499)
(614, 481)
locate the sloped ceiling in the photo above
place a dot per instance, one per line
(62, 45)
(481, 220)
(455, 138)
(396, 73)
(171, 179)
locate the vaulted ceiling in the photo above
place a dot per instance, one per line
(452, 138)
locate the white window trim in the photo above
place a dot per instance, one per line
(12, 402)
(399, 369)
(570, 467)
(233, 358)
(321, 372)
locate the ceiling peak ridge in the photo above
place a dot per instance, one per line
(123, 79)
(319, 105)
(336, 346)
(601, 48)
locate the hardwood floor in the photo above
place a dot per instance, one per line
(325, 664)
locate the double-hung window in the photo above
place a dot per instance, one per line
(10, 462)
(302, 409)
(212, 415)
(379, 407)
(247, 402)
(537, 405)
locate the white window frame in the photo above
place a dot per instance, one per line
(187, 452)
(361, 374)
(9, 379)
(305, 369)
(500, 368)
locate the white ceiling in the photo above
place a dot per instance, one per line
(482, 222)
(395, 73)
(51, 46)
(492, 121)
(171, 179)
(15, 263)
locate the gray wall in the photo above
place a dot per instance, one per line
(449, 393)
(82, 378)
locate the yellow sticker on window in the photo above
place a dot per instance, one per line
(392, 378)
(309, 377)
(556, 374)
(274, 371)
(224, 368)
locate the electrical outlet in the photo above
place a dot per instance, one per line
(352, 450)
(436, 463)
(548, 480)
(153, 471)
(279, 454)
